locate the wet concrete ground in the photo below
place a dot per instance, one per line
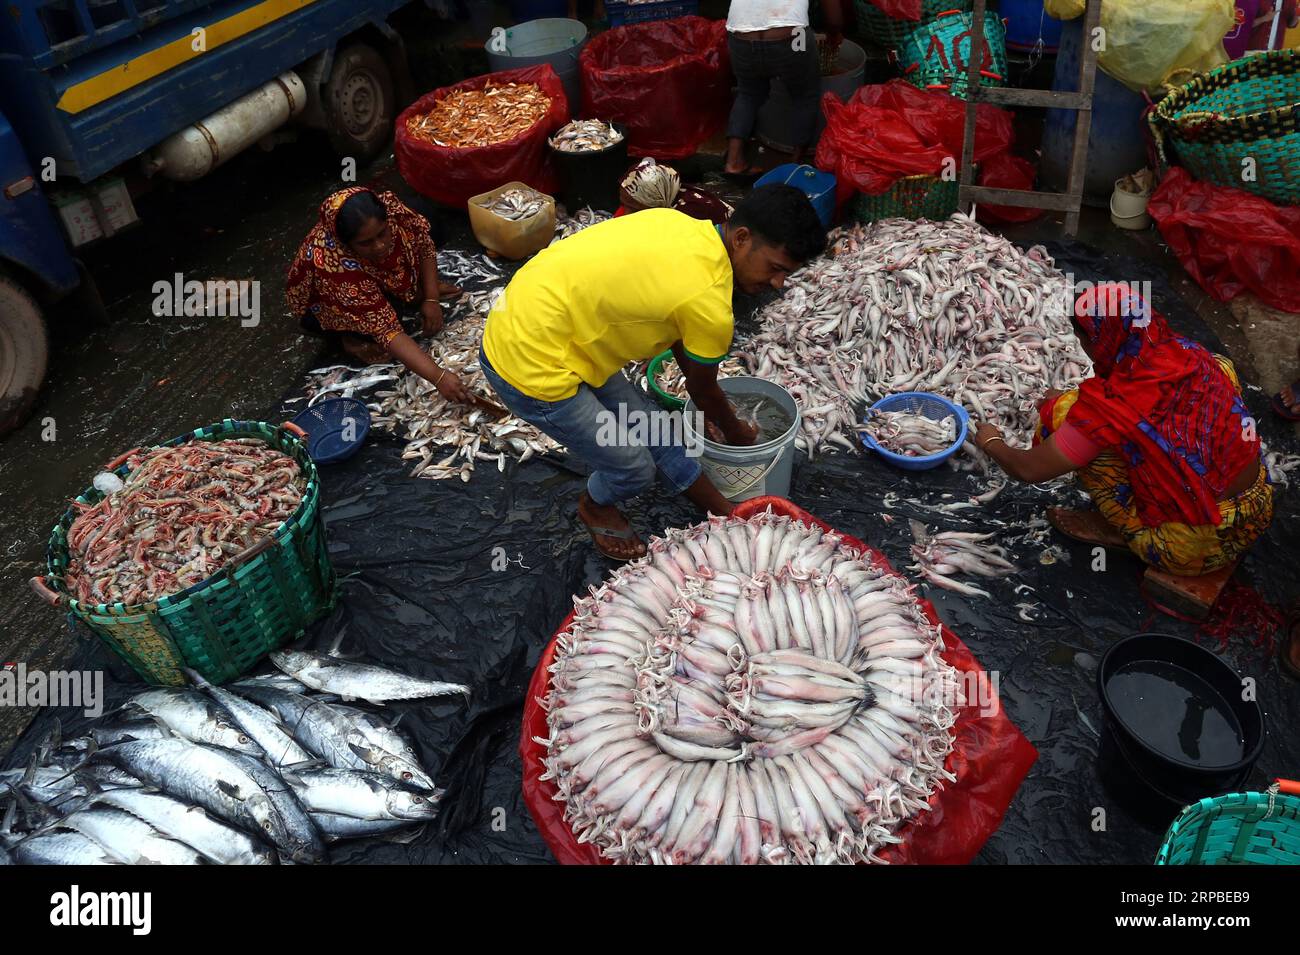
(143, 378)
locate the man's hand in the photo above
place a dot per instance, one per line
(742, 434)
(431, 313)
(453, 389)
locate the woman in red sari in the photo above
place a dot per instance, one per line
(366, 255)
(1160, 439)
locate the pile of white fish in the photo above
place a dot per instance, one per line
(1279, 465)
(910, 434)
(515, 204)
(246, 774)
(566, 225)
(456, 267)
(585, 135)
(939, 556)
(901, 305)
(443, 439)
(751, 691)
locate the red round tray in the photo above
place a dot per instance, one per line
(990, 755)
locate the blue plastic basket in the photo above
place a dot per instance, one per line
(818, 186)
(325, 424)
(622, 14)
(934, 407)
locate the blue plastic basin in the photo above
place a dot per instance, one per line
(934, 407)
(326, 424)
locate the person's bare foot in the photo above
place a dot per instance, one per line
(1090, 527)
(599, 517)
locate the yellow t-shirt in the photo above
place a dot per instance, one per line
(623, 290)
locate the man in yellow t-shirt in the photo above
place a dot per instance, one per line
(622, 291)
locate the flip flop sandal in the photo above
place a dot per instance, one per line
(744, 178)
(1087, 527)
(624, 535)
(1280, 407)
(1284, 653)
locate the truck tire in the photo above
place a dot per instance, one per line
(359, 102)
(24, 352)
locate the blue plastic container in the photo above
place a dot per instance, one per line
(934, 407)
(326, 423)
(625, 14)
(1026, 22)
(818, 186)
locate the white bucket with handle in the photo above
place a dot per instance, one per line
(762, 469)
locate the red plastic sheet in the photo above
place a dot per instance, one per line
(1229, 240)
(990, 757)
(668, 83)
(1005, 171)
(451, 175)
(891, 130)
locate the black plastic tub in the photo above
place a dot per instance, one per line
(1178, 718)
(592, 178)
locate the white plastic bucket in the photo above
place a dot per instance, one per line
(742, 473)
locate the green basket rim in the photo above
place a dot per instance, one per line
(220, 430)
(1278, 62)
(1213, 808)
(671, 402)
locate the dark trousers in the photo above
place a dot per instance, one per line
(756, 63)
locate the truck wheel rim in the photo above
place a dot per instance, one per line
(8, 358)
(362, 103)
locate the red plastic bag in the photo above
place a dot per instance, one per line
(891, 130)
(451, 175)
(899, 9)
(1005, 171)
(990, 756)
(667, 82)
(1229, 240)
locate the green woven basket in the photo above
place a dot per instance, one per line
(935, 53)
(1248, 109)
(221, 627)
(1237, 829)
(912, 197)
(885, 31)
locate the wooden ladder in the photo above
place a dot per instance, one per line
(1071, 200)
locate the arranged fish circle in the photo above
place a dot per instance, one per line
(751, 691)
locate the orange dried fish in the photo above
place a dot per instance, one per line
(481, 117)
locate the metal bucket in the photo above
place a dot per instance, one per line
(742, 473)
(775, 118)
(554, 40)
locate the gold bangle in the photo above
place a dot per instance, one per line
(996, 437)
(441, 372)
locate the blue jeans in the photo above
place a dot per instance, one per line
(593, 426)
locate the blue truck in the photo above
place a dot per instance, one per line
(98, 97)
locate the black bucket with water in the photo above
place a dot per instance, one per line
(1177, 722)
(592, 178)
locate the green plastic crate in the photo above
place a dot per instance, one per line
(1238, 829)
(224, 625)
(1248, 109)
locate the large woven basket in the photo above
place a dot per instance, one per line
(1237, 829)
(935, 53)
(1242, 116)
(885, 31)
(912, 197)
(221, 627)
